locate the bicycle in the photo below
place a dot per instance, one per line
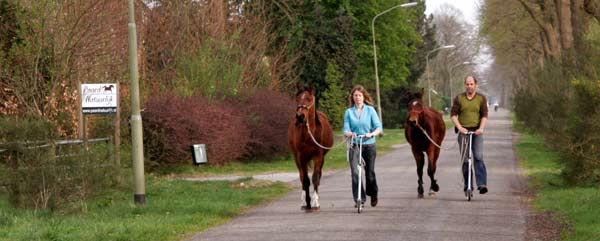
(469, 191)
(360, 164)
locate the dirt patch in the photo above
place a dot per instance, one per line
(542, 225)
(545, 226)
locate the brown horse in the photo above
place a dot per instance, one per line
(309, 136)
(424, 130)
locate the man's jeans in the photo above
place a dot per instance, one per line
(480, 171)
(368, 153)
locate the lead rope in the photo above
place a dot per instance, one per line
(315, 141)
(425, 132)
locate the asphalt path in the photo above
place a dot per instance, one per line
(400, 215)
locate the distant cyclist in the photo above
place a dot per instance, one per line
(469, 113)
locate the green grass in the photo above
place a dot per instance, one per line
(174, 210)
(581, 205)
(335, 159)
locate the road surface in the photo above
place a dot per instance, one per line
(400, 215)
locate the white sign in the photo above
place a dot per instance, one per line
(99, 98)
(199, 154)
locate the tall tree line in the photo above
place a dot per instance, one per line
(341, 31)
(546, 50)
(222, 48)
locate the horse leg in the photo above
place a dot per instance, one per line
(316, 178)
(303, 172)
(306, 185)
(432, 157)
(420, 160)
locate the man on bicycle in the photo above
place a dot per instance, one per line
(469, 113)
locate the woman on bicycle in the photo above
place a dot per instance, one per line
(362, 119)
(469, 113)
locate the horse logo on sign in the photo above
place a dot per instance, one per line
(108, 88)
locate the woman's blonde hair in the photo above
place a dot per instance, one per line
(366, 95)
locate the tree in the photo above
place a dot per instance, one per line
(333, 102)
(394, 99)
(547, 47)
(56, 45)
(451, 29)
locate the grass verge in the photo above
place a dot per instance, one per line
(580, 205)
(174, 210)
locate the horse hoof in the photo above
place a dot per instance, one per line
(432, 194)
(304, 208)
(315, 209)
(420, 195)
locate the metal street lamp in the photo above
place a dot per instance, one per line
(427, 66)
(375, 51)
(452, 71)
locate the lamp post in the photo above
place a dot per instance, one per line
(427, 66)
(452, 71)
(375, 51)
(137, 152)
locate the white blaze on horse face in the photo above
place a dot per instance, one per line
(415, 103)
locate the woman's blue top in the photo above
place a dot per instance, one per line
(366, 123)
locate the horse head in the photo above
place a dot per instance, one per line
(305, 100)
(415, 108)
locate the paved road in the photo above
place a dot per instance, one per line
(497, 215)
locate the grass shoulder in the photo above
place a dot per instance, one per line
(579, 205)
(175, 210)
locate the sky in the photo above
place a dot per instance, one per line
(468, 7)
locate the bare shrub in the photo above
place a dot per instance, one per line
(172, 124)
(268, 115)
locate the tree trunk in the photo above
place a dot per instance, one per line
(578, 21)
(219, 17)
(563, 10)
(550, 35)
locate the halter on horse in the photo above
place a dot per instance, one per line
(306, 147)
(424, 130)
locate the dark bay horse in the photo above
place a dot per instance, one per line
(424, 130)
(309, 136)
